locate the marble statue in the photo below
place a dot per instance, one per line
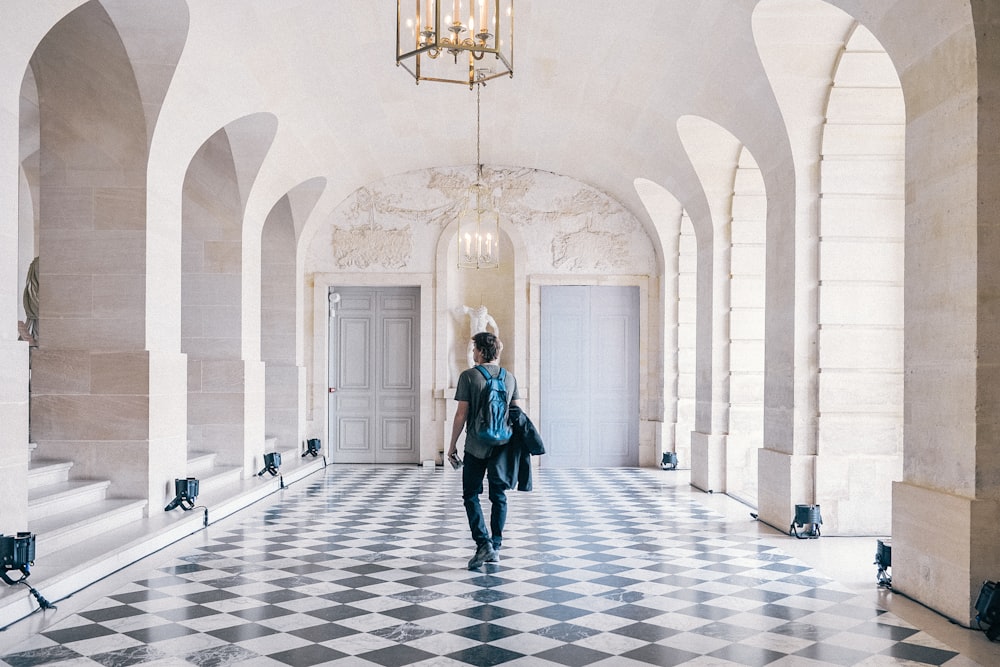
(28, 329)
(479, 320)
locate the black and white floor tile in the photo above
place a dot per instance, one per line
(367, 566)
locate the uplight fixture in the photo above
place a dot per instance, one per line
(186, 492)
(883, 561)
(313, 447)
(272, 461)
(809, 518)
(988, 610)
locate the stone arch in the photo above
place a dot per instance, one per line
(724, 447)
(860, 407)
(798, 59)
(665, 213)
(280, 312)
(91, 395)
(948, 190)
(841, 100)
(91, 121)
(225, 388)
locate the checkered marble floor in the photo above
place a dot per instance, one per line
(367, 566)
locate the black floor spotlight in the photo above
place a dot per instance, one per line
(808, 518)
(988, 610)
(883, 561)
(17, 554)
(186, 491)
(272, 461)
(313, 447)
(669, 461)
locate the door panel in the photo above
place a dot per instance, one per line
(374, 371)
(354, 371)
(353, 434)
(397, 369)
(590, 376)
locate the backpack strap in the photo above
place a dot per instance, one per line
(502, 375)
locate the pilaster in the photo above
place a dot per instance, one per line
(944, 547)
(708, 461)
(785, 480)
(14, 452)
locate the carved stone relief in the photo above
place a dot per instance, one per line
(565, 225)
(588, 249)
(362, 247)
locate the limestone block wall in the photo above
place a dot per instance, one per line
(278, 319)
(860, 426)
(746, 331)
(687, 312)
(212, 301)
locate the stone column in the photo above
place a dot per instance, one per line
(945, 530)
(14, 453)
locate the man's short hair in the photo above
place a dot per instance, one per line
(488, 344)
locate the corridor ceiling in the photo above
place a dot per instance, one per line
(597, 93)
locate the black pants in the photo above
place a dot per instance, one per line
(472, 486)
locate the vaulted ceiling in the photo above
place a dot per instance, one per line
(598, 90)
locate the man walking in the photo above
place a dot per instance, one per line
(481, 457)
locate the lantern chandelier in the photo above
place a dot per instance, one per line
(479, 222)
(435, 45)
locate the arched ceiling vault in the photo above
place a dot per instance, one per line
(597, 91)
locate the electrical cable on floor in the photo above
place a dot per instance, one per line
(42, 602)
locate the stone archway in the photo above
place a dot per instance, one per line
(91, 384)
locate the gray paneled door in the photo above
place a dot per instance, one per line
(374, 375)
(589, 412)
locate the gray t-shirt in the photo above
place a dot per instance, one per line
(470, 388)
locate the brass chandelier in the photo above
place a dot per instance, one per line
(468, 42)
(450, 40)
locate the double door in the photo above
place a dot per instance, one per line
(374, 375)
(589, 382)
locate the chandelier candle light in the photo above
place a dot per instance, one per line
(428, 31)
(479, 222)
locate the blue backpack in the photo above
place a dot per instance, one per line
(491, 426)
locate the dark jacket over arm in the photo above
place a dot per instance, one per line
(513, 464)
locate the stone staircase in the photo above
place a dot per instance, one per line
(83, 535)
(211, 476)
(66, 511)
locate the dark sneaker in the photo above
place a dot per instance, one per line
(496, 556)
(484, 553)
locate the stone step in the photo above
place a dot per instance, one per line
(220, 476)
(198, 463)
(45, 473)
(84, 523)
(52, 499)
(60, 573)
(213, 480)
